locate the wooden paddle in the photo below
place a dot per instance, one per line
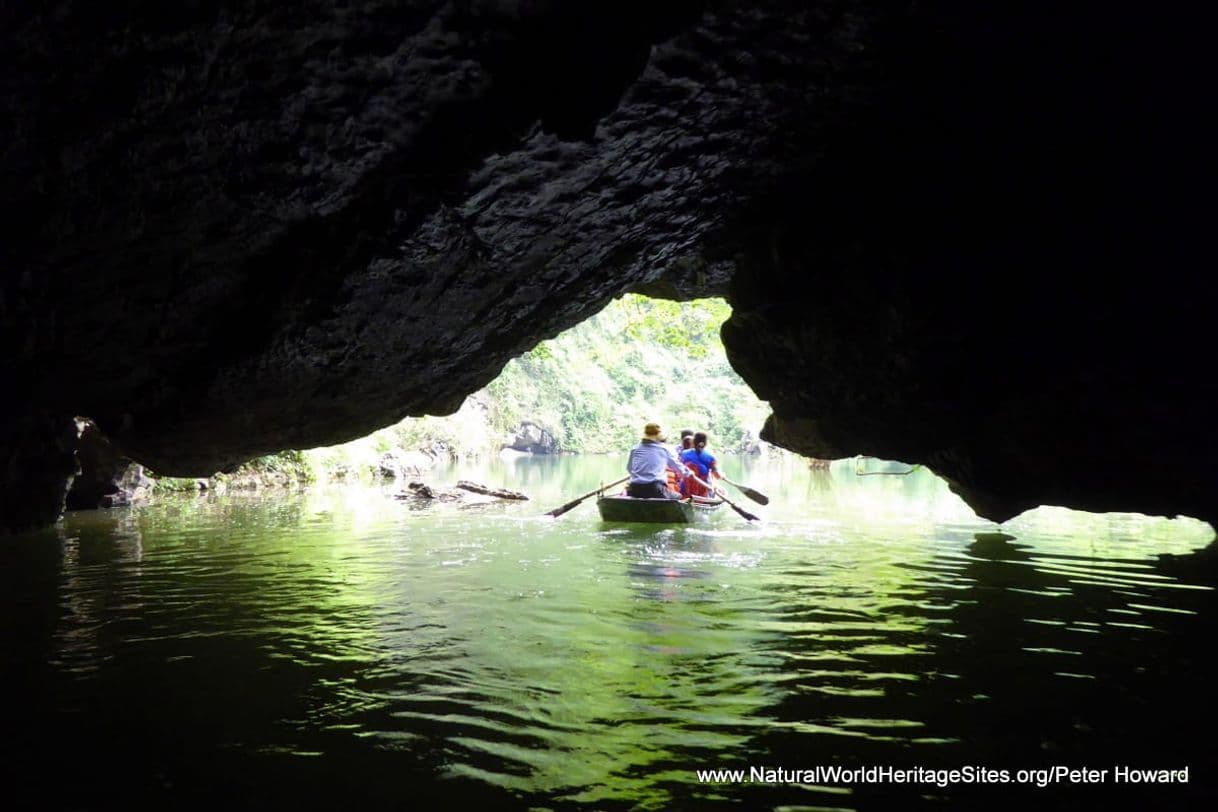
(558, 511)
(757, 496)
(730, 503)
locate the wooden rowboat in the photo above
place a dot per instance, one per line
(672, 511)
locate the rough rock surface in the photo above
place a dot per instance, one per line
(401, 464)
(533, 438)
(106, 478)
(951, 233)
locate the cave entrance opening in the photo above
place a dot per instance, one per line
(589, 390)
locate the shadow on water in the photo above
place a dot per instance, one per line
(1015, 666)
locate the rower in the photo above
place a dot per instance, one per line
(648, 465)
(702, 463)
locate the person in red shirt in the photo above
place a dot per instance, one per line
(702, 463)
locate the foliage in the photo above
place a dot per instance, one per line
(168, 484)
(285, 462)
(639, 359)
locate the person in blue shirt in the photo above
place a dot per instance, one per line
(702, 463)
(649, 464)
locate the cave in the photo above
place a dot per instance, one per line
(964, 236)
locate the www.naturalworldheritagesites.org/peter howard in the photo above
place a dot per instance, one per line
(970, 774)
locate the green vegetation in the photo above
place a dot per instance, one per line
(591, 388)
(173, 484)
(639, 359)
(285, 469)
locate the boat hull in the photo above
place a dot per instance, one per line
(654, 511)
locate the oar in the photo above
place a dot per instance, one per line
(757, 496)
(558, 511)
(732, 504)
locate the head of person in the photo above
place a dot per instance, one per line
(654, 433)
(700, 440)
(687, 438)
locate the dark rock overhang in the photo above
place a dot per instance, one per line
(950, 234)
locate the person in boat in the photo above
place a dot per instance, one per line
(703, 464)
(687, 442)
(648, 465)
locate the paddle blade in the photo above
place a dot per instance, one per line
(558, 511)
(757, 496)
(744, 512)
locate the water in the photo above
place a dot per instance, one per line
(344, 649)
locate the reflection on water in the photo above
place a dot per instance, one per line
(339, 648)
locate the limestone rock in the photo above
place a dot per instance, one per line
(106, 478)
(531, 438)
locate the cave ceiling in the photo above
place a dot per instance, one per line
(950, 234)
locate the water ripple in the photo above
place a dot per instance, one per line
(550, 663)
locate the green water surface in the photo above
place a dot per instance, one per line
(342, 648)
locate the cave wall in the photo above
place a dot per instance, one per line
(951, 235)
(1003, 261)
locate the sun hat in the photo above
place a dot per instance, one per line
(652, 431)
